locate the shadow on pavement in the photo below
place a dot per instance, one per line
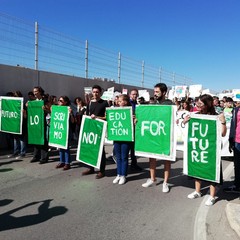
(44, 213)
(6, 169)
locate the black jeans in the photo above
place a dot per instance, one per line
(103, 162)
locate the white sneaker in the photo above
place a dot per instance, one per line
(165, 187)
(122, 180)
(148, 183)
(116, 179)
(210, 201)
(194, 195)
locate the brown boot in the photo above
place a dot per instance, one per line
(100, 175)
(66, 167)
(88, 171)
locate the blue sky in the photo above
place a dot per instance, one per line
(196, 38)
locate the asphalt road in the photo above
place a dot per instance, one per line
(41, 202)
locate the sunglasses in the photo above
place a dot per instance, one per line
(60, 100)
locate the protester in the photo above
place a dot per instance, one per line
(116, 101)
(96, 109)
(234, 145)
(216, 103)
(81, 109)
(133, 100)
(141, 100)
(41, 151)
(160, 91)
(65, 157)
(31, 96)
(121, 149)
(20, 141)
(205, 103)
(186, 106)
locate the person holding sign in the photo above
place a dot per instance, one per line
(20, 141)
(96, 108)
(133, 100)
(41, 151)
(160, 91)
(65, 157)
(205, 103)
(121, 148)
(234, 145)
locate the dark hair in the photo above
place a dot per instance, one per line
(97, 87)
(40, 90)
(66, 99)
(51, 98)
(208, 102)
(80, 100)
(188, 105)
(30, 94)
(229, 99)
(10, 94)
(162, 86)
(17, 94)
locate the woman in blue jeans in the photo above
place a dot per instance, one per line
(65, 157)
(121, 149)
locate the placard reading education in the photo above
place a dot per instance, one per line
(120, 124)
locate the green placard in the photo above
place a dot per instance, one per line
(91, 139)
(155, 132)
(11, 114)
(35, 122)
(202, 148)
(119, 124)
(59, 125)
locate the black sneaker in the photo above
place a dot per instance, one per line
(43, 161)
(232, 189)
(34, 160)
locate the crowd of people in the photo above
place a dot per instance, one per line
(95, 107)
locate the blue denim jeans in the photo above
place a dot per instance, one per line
(121, 150)
(65, 156)
(19, 145)
(236, 159)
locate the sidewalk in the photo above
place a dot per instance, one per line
(232, 209)
(233, 216)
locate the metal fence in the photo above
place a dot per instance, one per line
(33, 46)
